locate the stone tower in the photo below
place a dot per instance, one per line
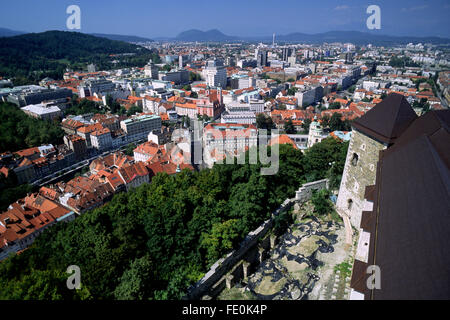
(373, 132)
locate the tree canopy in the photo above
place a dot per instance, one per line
(35, 56)
(19, 131)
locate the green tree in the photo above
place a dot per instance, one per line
(264, 122)
(291, 91)
(334, 105)
(129, 151)
(19, 131)
(319, 158)
(136, 282)
(305, 125)
(337, 124)
(166, 67)
(322, 203)
(133, 110)
(325, 121)
(289, 127)
(221, 239)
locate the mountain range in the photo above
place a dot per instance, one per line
(119, 37)
(4, 32)
(355, 37)
(214, 35)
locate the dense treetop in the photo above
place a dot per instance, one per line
(19, 131)
(38, 55)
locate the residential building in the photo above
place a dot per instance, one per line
(215, 74)
(77, 144)
(25, 220)
(101, 139)
(221, 140)
(44, 111)
(139, 127)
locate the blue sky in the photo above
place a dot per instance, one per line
(151, 18)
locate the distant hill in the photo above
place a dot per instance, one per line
(203, 36)
(36, 55)
(124, 38)
(355, 37)
(10, 33)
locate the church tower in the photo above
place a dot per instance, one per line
(315, 134)
(371, 133)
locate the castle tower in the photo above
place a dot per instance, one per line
(373, 132)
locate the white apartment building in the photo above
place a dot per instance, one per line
(145, 151)
(215, 74)
(42, 111)
(101, 139)
(150, 70)
(153, 105)
(243, 117)
(221, 140)
(139, 127)
(370, 85)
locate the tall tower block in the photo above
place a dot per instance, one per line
(373, 132)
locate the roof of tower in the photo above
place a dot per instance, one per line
(388, 119)
(409, 224)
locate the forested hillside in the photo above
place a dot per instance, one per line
(34, 56)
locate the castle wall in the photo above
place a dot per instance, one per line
(251, 252)
(356, 177)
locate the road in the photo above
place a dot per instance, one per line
(55, 176)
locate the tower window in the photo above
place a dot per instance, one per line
(349, 204)
(355, 159)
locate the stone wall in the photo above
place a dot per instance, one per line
(357, 175)
(239, 263)
(305, 192)
(215, 277)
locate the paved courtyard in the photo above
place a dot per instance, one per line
(310, 261)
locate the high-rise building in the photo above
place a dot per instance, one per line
(151, 71)
(215, 74)
(287, 52)
(261, 59)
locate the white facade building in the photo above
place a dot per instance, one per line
(215, 74)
